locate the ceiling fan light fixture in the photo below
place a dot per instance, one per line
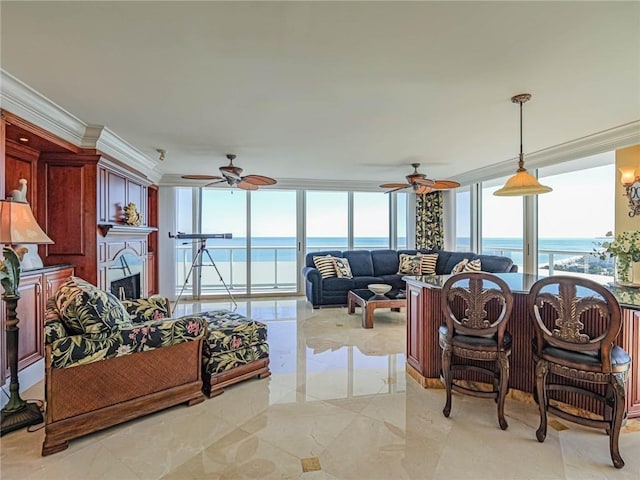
(522, 183)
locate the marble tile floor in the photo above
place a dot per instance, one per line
(338, 405)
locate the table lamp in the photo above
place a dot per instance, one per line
(17, 226)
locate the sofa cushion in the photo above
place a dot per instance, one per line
(364, 282)
(385, 262)
(459, 267)
(309, 257)
(342, 267)
(428, 262)
(326, 266)
(360, 261)
(409, 264)
(335, 283)
(145, 309)
(474, 265)
(85, 309)
(448, 260)
(495, 264)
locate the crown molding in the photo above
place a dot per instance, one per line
(175, 180)
(106, 141)
(600, 142)
(25, 102)
(20, 99)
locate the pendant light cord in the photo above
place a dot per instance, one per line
(521, 160)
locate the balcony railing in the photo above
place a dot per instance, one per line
(279, 273)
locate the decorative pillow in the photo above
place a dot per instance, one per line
(85, 308)
(459, 267)
(326, 266)
(428, 263)
(343, 269)
(409, 264)
(145, 309)
(473, 266)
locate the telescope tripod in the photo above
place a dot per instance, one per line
(197, 263)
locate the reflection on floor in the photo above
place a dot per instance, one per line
(338, 405)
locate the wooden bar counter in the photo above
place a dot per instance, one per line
(424, 317)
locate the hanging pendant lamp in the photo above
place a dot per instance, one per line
(522, 183)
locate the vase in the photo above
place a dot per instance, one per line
(622, 271)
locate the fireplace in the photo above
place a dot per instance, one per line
(125, 276)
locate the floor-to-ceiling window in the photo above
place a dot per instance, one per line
(463, 219)
(265, 225)
(401, 221)
(225, 211)
(273, 241)
(576, 215)
(370, 220)
(327, 223)
(502, 225)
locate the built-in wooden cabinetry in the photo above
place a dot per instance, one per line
(78, 196)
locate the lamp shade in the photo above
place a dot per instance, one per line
(18, 225)
(522, 183)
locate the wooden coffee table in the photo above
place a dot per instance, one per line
(365, 299)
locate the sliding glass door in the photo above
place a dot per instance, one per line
(273, 243)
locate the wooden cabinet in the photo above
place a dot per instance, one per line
(36, 287)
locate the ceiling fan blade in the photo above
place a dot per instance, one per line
(444, 184)
(219, 180)
(246, 186)
(201, 177)
(399, 188)
(422, 189)
(395, 185)
(427, 182)
(259, 180)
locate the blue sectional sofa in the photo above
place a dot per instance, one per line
(381, 266)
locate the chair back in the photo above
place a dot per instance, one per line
(477, 303)
(574, 314)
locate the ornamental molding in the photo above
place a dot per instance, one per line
(20, 99)
(600, 142)
(25, 102)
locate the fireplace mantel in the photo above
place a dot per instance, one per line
(118, 229)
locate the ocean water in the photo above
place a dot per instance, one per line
(265, 249)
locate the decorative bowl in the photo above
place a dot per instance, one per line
(379, 289)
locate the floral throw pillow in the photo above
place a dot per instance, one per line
(325, 265)
(410, 264)
(459, 267)
(343, 269)
(85, 309)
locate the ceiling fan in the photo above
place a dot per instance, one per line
(232, 175)
(420, 183)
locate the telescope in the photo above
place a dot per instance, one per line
(199, 236)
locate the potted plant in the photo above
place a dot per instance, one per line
(625, 250)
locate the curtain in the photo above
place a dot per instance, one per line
(429, 229)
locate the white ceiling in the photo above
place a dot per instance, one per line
(332, 90)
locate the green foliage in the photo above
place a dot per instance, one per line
(10, 272)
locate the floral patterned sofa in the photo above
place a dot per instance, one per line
(108, 361)
(235, 349)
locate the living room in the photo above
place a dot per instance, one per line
(331, 100)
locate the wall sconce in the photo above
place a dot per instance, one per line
(631, 183)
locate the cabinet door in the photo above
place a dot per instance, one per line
(53, 280)
(414, 327)
(30, 316)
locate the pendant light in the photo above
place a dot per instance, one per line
(522, 183)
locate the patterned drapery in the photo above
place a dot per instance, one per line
(429, 229)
